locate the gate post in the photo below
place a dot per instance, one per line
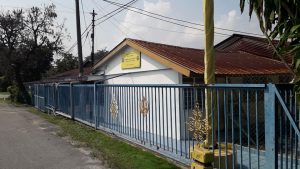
(270, 127)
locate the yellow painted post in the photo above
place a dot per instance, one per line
(209, 64)
(203, 156)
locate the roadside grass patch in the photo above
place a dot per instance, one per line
(6, 101)
(116, 153)
(4, 93)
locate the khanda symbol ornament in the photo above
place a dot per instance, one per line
(144, 107)
(198, 124)
(114, 107)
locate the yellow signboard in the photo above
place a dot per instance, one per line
(131, 59)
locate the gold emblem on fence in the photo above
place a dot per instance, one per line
(198, 124)
(114, 107)
(144, 107)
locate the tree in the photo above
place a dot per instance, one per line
(280, 19)
(28, 41)
(68, 62)
(98, 55)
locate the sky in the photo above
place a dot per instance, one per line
(133, 25)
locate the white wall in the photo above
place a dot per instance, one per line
(151, 71)
(165, 109)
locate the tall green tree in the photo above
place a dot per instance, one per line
(28, 41)
(98, 56)
(67, 62)
(280, 20)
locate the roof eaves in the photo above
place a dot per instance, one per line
(161, 59)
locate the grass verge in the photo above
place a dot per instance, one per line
(4, 93)
(7, 101)
(117, 153)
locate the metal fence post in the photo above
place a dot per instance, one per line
(270, 127)
(94, 110)
(71, 102)
(54, 96)
(37, 96)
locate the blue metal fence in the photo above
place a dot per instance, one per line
(256, 125)
(83, 103)
(64, 99)
(286, 120)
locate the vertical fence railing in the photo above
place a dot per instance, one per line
(239, 110)
(157, 117)
(238, 117)
(39, 96)
(287, 127)
(64, 99)
(83, 103)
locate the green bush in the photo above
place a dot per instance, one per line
(16, 95)
(14, 92)
(4, 83)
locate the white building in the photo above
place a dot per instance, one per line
(140, 62)
(166, 64)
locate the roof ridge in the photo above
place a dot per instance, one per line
(163, 44)
(255, 38)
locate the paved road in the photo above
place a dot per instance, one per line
(29, 142)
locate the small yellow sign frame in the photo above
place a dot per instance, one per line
(131, 60)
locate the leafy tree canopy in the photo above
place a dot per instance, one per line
(67, 62)
(97, 56)
(28, 41)
(280, 19)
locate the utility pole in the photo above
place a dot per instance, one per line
(79, 44)
(93, 37)
(209, 71)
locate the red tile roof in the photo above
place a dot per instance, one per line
(227, 63)
(250, 44)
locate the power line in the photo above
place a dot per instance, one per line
(166, 30)
(175, 23)
(86, 37)
(85, 21)
(75, 43)
(116, 21)
(118, 10)
(109, 17)
(175, 19)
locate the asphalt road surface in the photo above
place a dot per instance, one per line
(29, 142)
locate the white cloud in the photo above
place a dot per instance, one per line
(145, 28)
(149, 29)
(229, 20)
(160, 7)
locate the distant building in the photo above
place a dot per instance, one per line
(69, 76)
